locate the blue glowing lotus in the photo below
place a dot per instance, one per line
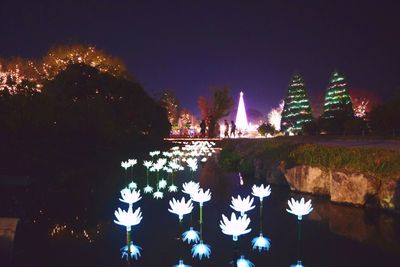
(148, 189)
(132, 185)
(298, 264)
(158, 194)
(135, 251)
(242, 262)
(261, 243)
(172, 188)
(162, 184)
(191, 236)
(201, 250)
(181, 264)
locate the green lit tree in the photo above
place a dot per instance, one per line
(337, 99)
(297, 110)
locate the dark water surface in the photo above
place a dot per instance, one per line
(77, 231)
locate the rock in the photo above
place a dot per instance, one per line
(389, 194)
(275, 176)
(354, 188)
(308, 180)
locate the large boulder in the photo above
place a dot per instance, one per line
(389, 194)
(354, 188)
(308, 179)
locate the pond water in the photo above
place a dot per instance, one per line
(68, 233)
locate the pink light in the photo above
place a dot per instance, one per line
(241, 117)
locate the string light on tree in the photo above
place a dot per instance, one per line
(297, 110)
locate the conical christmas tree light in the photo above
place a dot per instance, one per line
(241, 117)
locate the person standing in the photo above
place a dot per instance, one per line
(226, 132)
(233, 129)
(203, 129)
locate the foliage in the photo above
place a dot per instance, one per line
(265, 129)
(385, 119)
(171, 103)
(218, 106)
(381, 163)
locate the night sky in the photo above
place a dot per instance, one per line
(189, 45)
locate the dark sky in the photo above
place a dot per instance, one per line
(190, 45)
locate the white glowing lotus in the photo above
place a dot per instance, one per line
(261, 243)
(130, 196)
(201, 196)
(172, 188)
(162, 184)
(132, 162)
(242, 205)
(201, 250)
(125, 164)
(135, 251)
(132, 185)
(154, 153)
(174, 165)
(261, 191)
(192, 163)
(148, 189)
(190, 188)
(147, 164)
(158, 194)
(235, 226)
(181, 264)
(180, 208)
(191, 236)
(204, 159)
(299, 208)
(298, 264)
(242, 262)
(128, 218)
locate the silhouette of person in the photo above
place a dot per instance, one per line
(226, 133)
(203, 128)
(233, 129)
(211, 127)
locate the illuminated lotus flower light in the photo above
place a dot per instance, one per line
(132, 185)
(158, 194)
(298, 264)
(242, 262)
(261, 243)
(190, 188)
(201, 196)
(299, 208)
(129, 218)
(148, 189)
(147, 164)
(154, 153)
(261, 191)
(192, 164)
(125, 165)
(235, 226)
(191, 236)
(181, 264)
(162, 184)
(132, 162)
(180, 208)
(134, 250)
(201, 250)
(204, 159)
(130, 196)
(172, 188)
(242, 205)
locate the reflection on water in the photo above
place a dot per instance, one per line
(332, 235)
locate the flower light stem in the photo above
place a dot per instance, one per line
(128, 243)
